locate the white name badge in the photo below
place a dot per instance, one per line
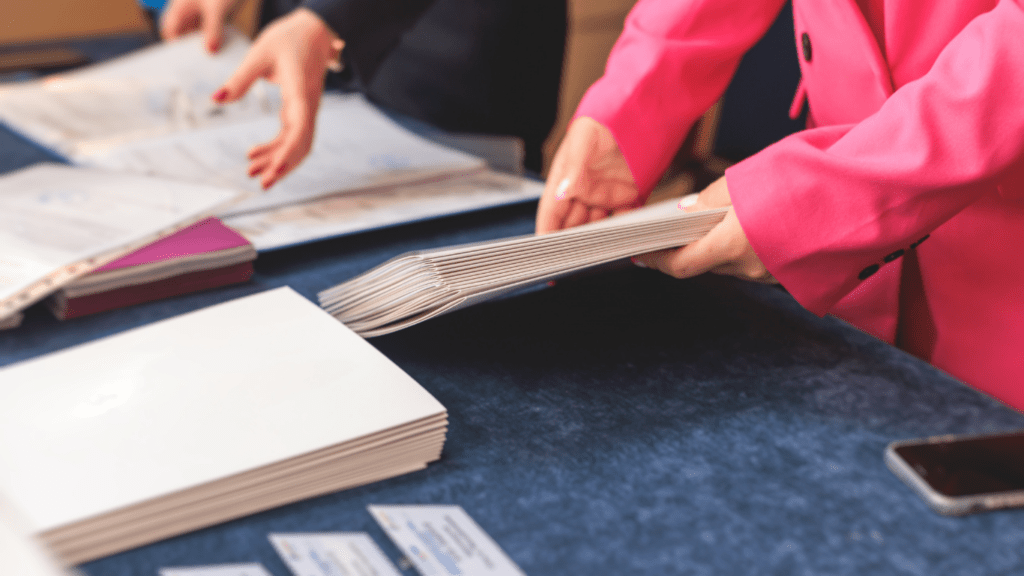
(443, 541)
(332, 554)
(217, 570)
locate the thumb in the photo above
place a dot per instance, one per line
(689, 203)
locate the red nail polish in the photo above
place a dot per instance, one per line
(220, 95)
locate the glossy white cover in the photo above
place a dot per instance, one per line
(189, 400)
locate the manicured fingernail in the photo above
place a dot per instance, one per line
(563, 187)
(220, 95)
(636, 262)
(254, 171)
(687, 201)
(551, 283)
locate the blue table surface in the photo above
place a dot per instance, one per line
(622, 423)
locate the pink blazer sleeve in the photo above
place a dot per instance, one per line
(823, 205)
(673, 60)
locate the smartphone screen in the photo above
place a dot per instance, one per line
(970, 466)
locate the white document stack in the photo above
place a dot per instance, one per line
(58, 223)
(417, 286)
(203, 418)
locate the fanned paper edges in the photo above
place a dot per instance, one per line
(416, 286)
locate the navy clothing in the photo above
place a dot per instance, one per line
(486, 66)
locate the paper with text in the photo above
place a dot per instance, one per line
(358, 212)
(217, 570)
(443, 541)
(158, 90)
(356, 147)
(332, 554)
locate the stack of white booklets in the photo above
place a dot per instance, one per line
(203, 418)
(58, 223)
(20, 553)
(417, 286)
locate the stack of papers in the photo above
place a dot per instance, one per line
(59, 223)
(20, 553)
(203, 418)
(414, 287)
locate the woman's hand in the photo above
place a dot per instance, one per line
(293, 52)
(184, 16)
(589, 179)
(725, 250)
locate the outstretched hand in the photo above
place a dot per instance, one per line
(293, 52)
(589, 179)
(183, 16)
(725, 249)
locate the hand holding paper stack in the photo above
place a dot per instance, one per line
(417, 286)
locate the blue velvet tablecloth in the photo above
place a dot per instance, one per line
(622, 423)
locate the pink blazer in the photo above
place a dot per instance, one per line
(901, 207)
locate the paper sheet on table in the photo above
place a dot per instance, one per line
(157, 90)
(356, 147)
(358, 212)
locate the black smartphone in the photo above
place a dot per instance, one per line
(959, 475)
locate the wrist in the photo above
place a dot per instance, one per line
(320, 37)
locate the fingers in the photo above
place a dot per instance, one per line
(293, 52)
(179, 17)
(300, 101)
(214, 17)
(724, 250)
(183, 16)
(589, 179)
(254, 66)
(555, 203)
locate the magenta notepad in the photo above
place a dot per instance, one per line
(205, 236)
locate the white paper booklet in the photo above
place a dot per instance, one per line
(158, 90)
(20, 553)
(58, 223)
(358, 212)
(202, 418)
(356, 148)
(417, 286)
